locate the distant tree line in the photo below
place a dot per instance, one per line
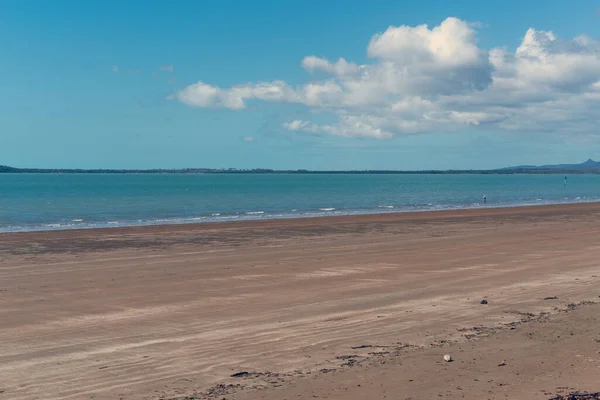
(7, 169)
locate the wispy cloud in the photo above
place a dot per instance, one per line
(167, 68)
(248, 139)
(115, 68)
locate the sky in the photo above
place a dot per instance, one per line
(299, 84)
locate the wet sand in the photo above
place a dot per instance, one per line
(167, 311)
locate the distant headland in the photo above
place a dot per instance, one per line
(587, 167)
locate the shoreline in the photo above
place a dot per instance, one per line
(359, 217)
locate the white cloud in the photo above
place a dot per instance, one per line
(421, 79)
(340, 67)
(452, 43)
(200, 95)
(115, 68)
(248, 139)
(349, 126)
(296, 125)
(167, 68)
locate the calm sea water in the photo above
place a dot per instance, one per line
(65, 201)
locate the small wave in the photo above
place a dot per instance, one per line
(77, 220)
(386, 206)
(326, 209)
(215, 214)
(113, 222)
(255, 212)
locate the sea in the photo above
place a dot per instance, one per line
(33, 202)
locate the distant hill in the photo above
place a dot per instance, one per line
(587, 166)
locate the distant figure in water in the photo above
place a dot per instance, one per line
(484, 199)
(565, 184)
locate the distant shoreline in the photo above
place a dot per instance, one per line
(192, 171)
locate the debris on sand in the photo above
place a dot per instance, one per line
(349, 360)
(447, 358)
(502, 363)
(215, 392)
(551, 298)
(368, 346)
(484, 301)
(578, 396)
(240, 374)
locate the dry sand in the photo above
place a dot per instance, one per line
(167, 311)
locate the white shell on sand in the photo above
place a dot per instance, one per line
(447, 357)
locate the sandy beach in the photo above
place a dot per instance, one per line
(353, 307)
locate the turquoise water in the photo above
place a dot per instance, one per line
(67, 201)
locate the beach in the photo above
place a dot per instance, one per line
(349, 307)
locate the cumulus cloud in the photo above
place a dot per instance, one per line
(437, 79)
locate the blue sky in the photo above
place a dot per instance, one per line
(145, 84)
